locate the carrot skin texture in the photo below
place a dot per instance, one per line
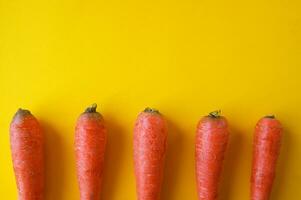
(266, 149)
(90, 144)
(150, 140)
(27, 148)
(211, 142)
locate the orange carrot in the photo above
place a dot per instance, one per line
(90, 144)
(150, 136)
(27, 144)
(266, 148)
(211, 141)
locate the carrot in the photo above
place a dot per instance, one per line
(27, 144)
(211, 141)
(150, 136)
(266, 148)
(90, 144)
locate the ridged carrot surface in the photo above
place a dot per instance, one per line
(266, 148)
(27, 147)
(90, 144)
(211, 141)
(150, 138)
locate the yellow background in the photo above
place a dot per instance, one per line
(185, 58)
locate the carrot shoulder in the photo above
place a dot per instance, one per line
(90, 144)
(27, 144)
(150, 136)
(211, 142)
(266, 148)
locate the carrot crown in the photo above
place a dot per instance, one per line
(151, 110)
(23, 111)
(215, 114)
(270, 116)
(91, 109)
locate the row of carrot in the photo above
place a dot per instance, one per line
(150, 141)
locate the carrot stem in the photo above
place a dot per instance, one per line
(215, 114)
(270, 116)
(151, 110)
(22, 112)
(91, 109)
